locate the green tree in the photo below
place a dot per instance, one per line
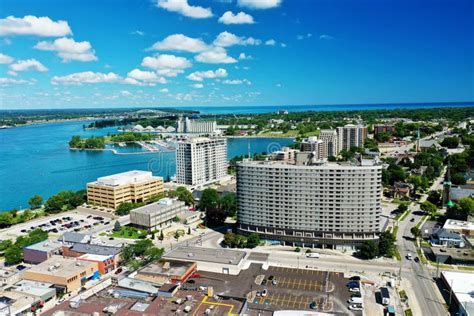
(75, 142)
(458, 178)
(428, 207)
(402, 208)
(229, 203)
(35, 201)
(117, 226)
(215, 217)
(209, 200)
(416, 232)
(230, 240)
(185, 195)
(5, 244)
(253, 240)
(368, 250)
(434, 197)
(176, 235)
(63, 201)
(387, 244)
(450, 142)
(124, 208)
(13, 255)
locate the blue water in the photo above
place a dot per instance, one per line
(36, 160)
(259, 109)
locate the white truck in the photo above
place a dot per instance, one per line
(313, 255)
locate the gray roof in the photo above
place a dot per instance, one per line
(443, 233)
(72, 237)
(96, 249)
(429, 143)
(45, 246)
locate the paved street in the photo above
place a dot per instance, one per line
(420, 275)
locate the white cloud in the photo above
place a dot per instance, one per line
(279, 85)
(301, 37)
(239, 18)
(283, 45)
(90, 77)
(137, 32)
(32, 25)
(237, 81)
(200, 75)
(197, 85)
(169, 72)
(68, 49)
(165, 61)
(216, 55)
(125, 93)
(226, 39)
(145, 76)
(27, 65)
(183, 7)
(180, 42)
(5, 59)
(243, 56)
(164, 90)
(4, 82)
(326, 37)
(259, 4)
(270, 42)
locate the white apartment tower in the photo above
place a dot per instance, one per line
(330, 142)
(336, 205)
(196, 126)
(351, 136)
(201, 160)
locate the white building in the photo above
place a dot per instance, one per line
(314, 145)
(201, 160)
(330, 142)
(351, 136)
(309, 203)
(157, 215)
(460, 286)
(187, 125)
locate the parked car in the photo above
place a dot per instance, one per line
(20, 267)
(355, 307)
(118, 271)
(355, 278)
(354, 289)
(412, 220)
(264, 292)
(417, 259)
(313, 305)
(274, 282)
(353, 284)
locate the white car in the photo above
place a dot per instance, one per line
(355, 307)
(313, 255)
(354, 289)
(264, 292)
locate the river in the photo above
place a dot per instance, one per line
(36, 160)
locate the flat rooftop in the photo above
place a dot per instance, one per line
(59, 266)
(96, 249)
(160, 267)
(462, 285)
(199, 140)
(223, 256)
(455, 224)
(156, 207)
(33, 287)
(129, 177)
(93, 257)
(45, 246)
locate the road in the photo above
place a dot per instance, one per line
(420, 276)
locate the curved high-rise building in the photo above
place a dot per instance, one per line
(310, 205)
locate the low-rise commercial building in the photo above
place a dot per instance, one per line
(41, 251)
(107, 258)
(310, 204)
(67, 274)
(9, 276)
(132, 186)
(459, 285)
(16, 303)
(157, 215)
(463, 227)
(43, 290)
(166, 271)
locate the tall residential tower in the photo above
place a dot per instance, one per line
(201, 160)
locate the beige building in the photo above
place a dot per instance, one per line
(351, 136)
(64, 272)
(132, 186)
(157, 215)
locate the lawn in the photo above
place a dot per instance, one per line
(129, 232)
(291, 133)
(403, 216)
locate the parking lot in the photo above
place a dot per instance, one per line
(282, 288)
(58, 224)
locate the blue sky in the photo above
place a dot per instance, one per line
(69, 54)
